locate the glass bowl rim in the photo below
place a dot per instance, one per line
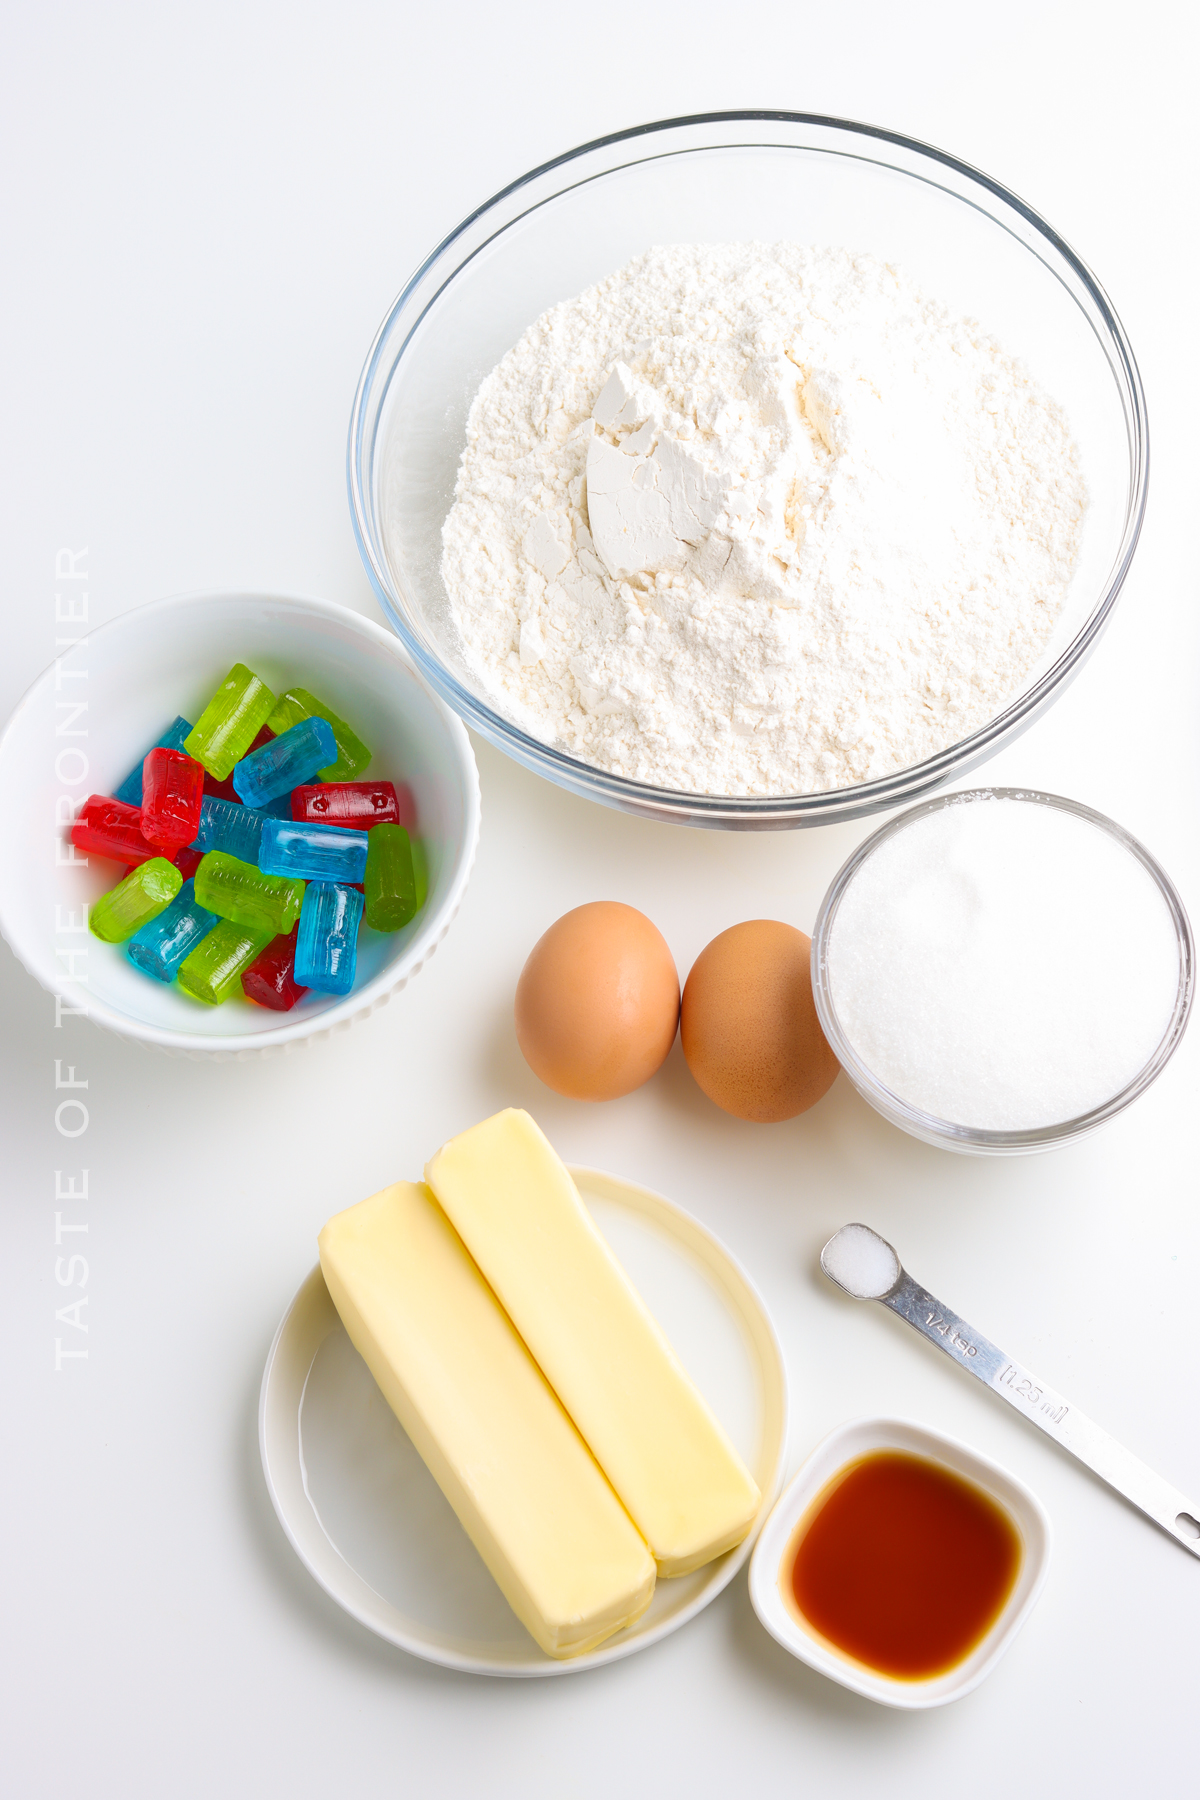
(824, 806)
(945, 1132)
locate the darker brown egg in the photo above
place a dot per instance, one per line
(749, 1026)
(598, 1002)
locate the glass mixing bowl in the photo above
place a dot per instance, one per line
(719, 178)
(975, 1140)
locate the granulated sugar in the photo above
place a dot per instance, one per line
(1003, 964)
(759, 519)
(862, 1262)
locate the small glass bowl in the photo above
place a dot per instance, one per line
(971, 1139)
(728, 177)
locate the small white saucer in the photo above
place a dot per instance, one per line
(848, 1442)
(370, 1523)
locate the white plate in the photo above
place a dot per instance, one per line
(370, 1523)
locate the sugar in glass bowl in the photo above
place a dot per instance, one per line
(936, 969)
(135, 674)
(727, 177)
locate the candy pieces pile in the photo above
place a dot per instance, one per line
(253, 852)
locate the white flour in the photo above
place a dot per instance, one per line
(758, 519)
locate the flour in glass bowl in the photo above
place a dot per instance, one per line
(759, 519)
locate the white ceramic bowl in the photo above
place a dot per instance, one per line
(133, 676)
(846, 1444)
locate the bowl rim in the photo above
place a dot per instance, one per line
(975, 1139)
(838, 1449)
(723, 811)
(360, 1002)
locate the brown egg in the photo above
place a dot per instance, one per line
(749, 1027)
(598, 1002)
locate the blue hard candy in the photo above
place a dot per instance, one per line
(159, 947)
(288, 761)
(224, 825)
(327, 942)
(313, 852)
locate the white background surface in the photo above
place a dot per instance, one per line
(206, 213)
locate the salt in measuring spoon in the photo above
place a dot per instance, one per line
(866, 1267)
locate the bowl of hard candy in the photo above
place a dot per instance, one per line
(750, 471)
(247, 821)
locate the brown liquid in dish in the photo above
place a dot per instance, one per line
(902, 1564)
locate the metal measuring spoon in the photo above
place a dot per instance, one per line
(862, 1263)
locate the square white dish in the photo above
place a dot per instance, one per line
(857, 1438)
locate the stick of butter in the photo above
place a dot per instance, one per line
(517, 1210)
(492, 1434)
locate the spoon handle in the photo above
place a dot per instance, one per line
(1050, 1412)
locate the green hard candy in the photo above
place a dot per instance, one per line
(420, 870)
(389, 885)
(145, 892)
(353, 755)
(213, 970)
(230, 722)
(240, 892)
